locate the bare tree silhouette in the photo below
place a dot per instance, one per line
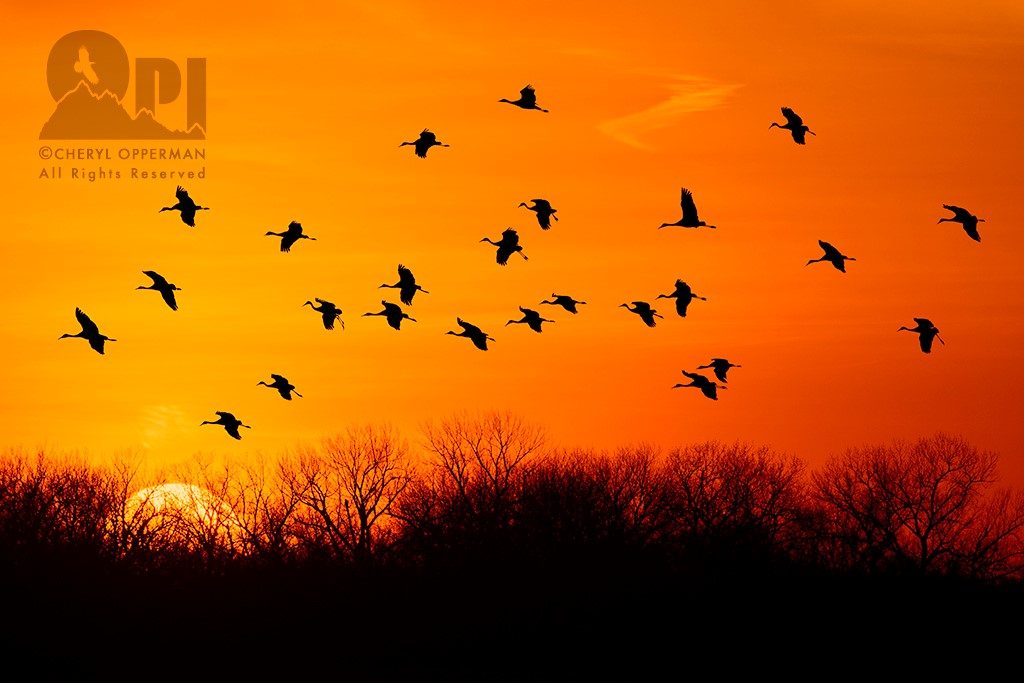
(735, 499)
(927, 507)
(347, 489)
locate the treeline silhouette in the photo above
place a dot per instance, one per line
(491, 550)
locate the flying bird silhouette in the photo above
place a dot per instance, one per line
(565, 301)
(833, 256)
(689, 219)
(926, 331)
(965, 218)
(794, 124)
(292, 235)
(472, 332)
(545, 213)
(186, 206)
(229, 422)
(683, 296)
(283, 386)
(508, 245)
(423, 143)
(527, 99)
(90, 332)
(406, 285)
(329, 311)
(160, 284)
(84, 65)
(706, 386)
(531, 318)
(720, 366)
(644, 310)
(393, 313)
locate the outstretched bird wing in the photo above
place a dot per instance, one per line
(926, 339)
(89, 328)
(158, 279)
(683, 290)
(182, 195)
(428, 136)
(961, 213)
(529, 96)
(510, 237)
(924, 322)
(278, 378)
(792, 118)
(696, 376)
(469, 328)
(224, 415)
(290, 238)
(168, 295)
(689, 208)
(831, 252)
(405, 276)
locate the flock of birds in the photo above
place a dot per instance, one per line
(507, 246)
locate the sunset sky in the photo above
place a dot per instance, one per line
(915, 104)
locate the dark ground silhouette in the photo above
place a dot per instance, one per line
(494, 556)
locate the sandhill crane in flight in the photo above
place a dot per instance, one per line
(527, 99)
(90, 332)
(689, 219)
(965, 218)
(833, 256)
(394, 314)
(683, 296)
(545, 213)
(186, 206)
(283, 386)
(292, 235)
(706, 386)
(83, 65)
(406, 285)
(531, 318)
(794, 124)
(161, 285)
(474, 333)
(644, 310)
(720, 366)
(229, 422)
(565, 301)
(927, 332)
(329, 311)
(508, 245)
(423, 143)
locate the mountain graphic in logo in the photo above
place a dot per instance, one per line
(83, 115)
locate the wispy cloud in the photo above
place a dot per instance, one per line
(687, 94)
(161, 422)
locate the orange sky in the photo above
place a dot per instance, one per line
(915, 105)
